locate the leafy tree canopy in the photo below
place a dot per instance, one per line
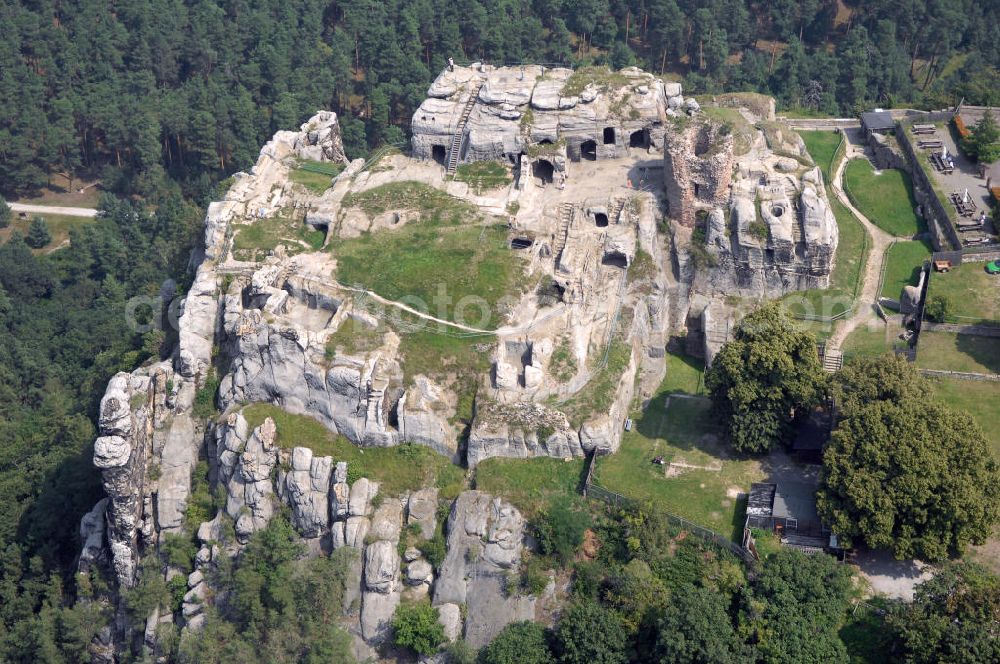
(415, 626)
(590, 634)
(767, 373)
(518, 643)
(953, 618)
(904, 472)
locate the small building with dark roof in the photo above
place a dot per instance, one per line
(877, 122)
(789, 511)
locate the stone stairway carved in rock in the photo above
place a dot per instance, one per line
(456, 141)
(565, 218)
(797, 233)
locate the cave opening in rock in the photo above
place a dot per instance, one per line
(545, 141)
(615, 259)
(543, 170)
(439, 154)
(609, 135)
(639, 139)
(697, 189)
(588, 150)
(521, 243)
(601, 219)
(777, 210)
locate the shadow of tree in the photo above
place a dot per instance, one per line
(984, 350)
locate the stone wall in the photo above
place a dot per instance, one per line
(943, 233)
(698, 166)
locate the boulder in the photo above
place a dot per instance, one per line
(422, 510)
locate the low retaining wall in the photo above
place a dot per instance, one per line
(962, 375)
(973, 330)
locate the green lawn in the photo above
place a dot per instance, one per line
(972, 294)
(316, 176)
(59, 227)
(397, 469)
(958, 352)
(886, 199)
(869, 340)
(822, 145)
(981, 399)
(903, 262)
(530, 484)
(686, 432)
(684, 374)
(851, 247)
(252, 242)
(448, 252)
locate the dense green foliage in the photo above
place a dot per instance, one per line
(518, 643)
(282, 609)
(560, 530)
(983, 142)
(65, 332)
(953, 618)
(193, 88)
(696, 627)
(904, 472)
(762, 377)
(588, 633)
(415, 626)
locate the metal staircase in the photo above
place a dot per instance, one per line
(456, 141)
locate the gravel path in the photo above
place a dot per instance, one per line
(54, 209)
(864, 310)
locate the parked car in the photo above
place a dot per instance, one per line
(628, 424)
(993, 267)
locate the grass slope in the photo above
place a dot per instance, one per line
(686, 431)
(980, 399)
(886, 199)
(958, 352)
(902, 266)
(253, 242)
(316, 176)
(446, 253)
(851, 247)
(530, 484)
(397, 469)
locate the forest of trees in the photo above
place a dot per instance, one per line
(138, 90)
(64, 333)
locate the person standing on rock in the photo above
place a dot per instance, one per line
(451, 64)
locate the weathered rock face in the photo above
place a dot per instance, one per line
(306, 487)
(245, 466)
(120, 452)
(278, 348)
(697, 167)
(512, 108)
(320, 139)
(790, 248)
(485, 539)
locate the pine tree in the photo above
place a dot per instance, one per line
(38, 234)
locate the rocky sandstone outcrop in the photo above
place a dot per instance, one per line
(485, 541)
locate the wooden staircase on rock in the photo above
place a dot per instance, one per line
(456, 141)
(833, 360)
(565, 219)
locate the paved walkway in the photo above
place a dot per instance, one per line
(864, 309)
(54, 209)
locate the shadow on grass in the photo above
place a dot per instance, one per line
(984, 350)
(689, 423)
(739, 519)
